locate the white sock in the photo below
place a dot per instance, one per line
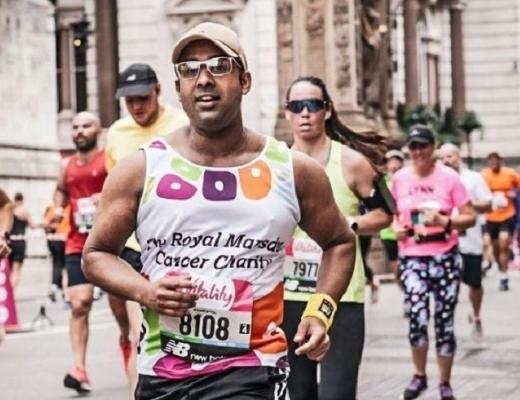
(503, 275)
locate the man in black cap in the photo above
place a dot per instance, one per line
(140, 88)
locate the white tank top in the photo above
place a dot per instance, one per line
(227, 228)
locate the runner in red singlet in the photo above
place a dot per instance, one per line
(79, 185)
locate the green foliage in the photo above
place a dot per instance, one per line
(419, 115)
(446, 127)
(469, 122)
(448, 131)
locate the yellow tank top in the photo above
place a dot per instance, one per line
(348, 204)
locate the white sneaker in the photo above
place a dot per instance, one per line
(98, 293)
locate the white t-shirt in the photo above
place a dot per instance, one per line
(471, 241)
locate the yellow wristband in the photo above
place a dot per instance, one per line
(321, 306)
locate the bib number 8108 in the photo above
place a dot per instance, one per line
(206, 326)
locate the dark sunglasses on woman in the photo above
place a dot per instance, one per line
(313, 105)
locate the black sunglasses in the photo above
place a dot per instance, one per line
(313, 105)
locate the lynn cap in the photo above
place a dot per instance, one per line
(420, 134)
(220, 35)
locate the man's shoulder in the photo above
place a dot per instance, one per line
(472, 179)
(470, 174)
(120, 124)
(510, 171)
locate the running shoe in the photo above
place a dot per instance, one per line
(417, 385)
(125, 346)
(446, 391)
(77, 379)
(477, 330)
(53, 292)
(504, 285)
(98, 293)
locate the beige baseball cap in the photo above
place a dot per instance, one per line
(220, 35)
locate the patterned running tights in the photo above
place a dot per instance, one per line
(439, 275)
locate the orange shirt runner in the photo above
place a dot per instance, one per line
(502, 184)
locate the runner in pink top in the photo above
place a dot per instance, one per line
(440, 191)
(426, 194)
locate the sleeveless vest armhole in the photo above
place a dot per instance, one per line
(298, 214)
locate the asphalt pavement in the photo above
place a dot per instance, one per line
(33, 363)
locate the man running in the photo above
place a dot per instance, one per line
(470, 241)
(503, 182)
(139, 87)
(79, 185)
(212, 206)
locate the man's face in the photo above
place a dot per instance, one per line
(451, 159)
(144, 109)
(494, 163)
(211, 103)
(84, 133)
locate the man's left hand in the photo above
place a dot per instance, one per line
(313, 339)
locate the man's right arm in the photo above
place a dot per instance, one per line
(115, 222)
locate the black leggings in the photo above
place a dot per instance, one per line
(340, 367)
(57, 249)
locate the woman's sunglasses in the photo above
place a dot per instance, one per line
(313, 105)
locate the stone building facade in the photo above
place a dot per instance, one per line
(29, 158)
(147, 31)
(62, 56)
(490, 32)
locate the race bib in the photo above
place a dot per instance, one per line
(84, 216)
(302, 259)
(219, 326)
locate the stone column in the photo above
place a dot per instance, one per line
(411, 75)
(65, 39)
(287, 65)
(345, 71)
(458, 85)
(107, 60)
(322, 38)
